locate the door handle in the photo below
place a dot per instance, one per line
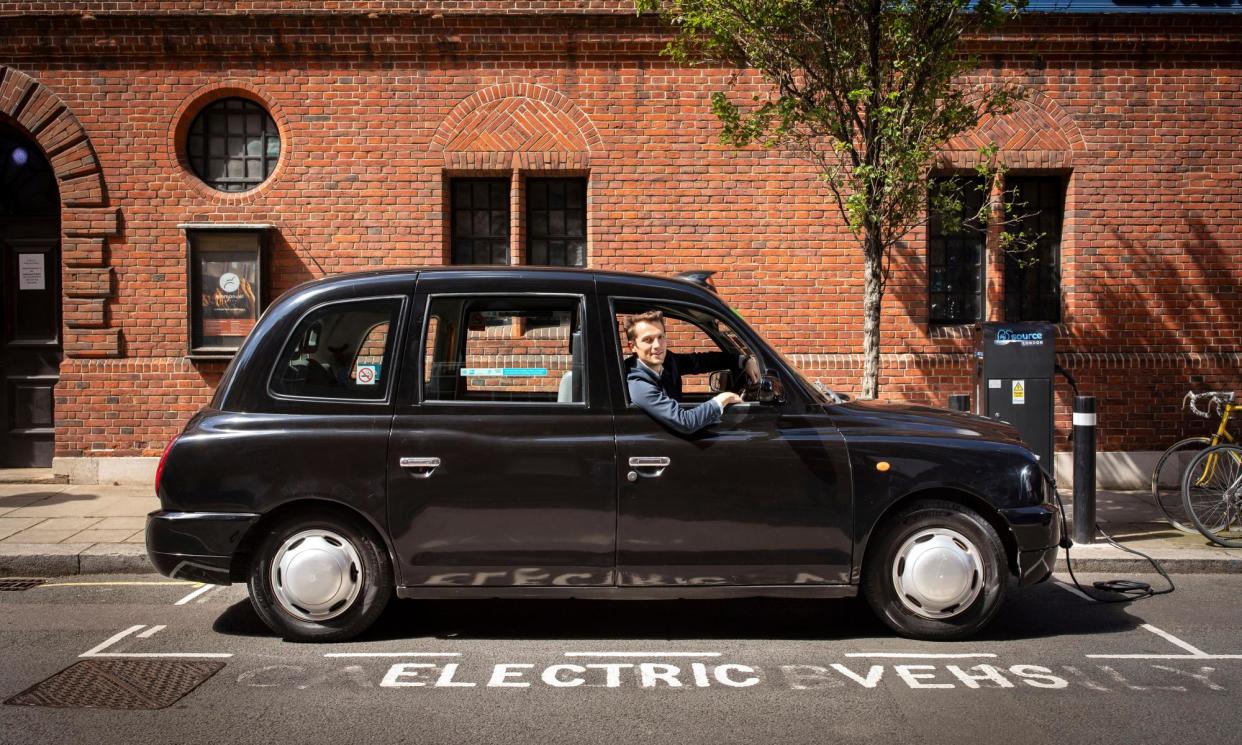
(420, 468)
(648, 466)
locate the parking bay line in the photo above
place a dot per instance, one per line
(642, 654)
(392, 654)
(98, 651)
(1194, 652)
(200, 591)
(922, 655)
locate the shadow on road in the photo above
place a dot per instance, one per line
(1044, 611)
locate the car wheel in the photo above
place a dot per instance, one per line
(319, 577)
(935, 571)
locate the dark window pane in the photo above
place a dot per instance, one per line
(234, 145)
(556, 221)
(955, 257)
(1033, 276)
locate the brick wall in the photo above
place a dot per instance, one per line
(378, 104)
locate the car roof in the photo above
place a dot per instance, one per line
(508, 272)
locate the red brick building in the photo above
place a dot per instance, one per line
(339, 136)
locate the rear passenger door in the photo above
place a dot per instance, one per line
(501, 467)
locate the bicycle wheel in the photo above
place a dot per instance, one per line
(1166, 480)
(1212, 492)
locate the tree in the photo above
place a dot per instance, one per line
(869, 91)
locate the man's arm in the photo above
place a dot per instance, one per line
(652, 399)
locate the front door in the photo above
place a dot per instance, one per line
(501, 463)
(30, 344)
(762, 498)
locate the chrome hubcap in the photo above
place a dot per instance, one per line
(938, 573)
(316, 575)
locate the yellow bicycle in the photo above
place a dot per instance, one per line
(1166, 477)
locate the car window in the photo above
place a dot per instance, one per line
(686, 331)
(512, 350)
(339, 351)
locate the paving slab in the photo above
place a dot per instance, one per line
(11, 525)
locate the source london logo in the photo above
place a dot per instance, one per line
(1026, 339)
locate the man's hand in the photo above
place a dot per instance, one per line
(727, 399)
(752, 369)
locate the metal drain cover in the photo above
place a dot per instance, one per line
(118, 684)
(16, 584)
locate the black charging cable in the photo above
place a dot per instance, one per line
(1129, 590)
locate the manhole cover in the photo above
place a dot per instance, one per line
(118, 684)
(17, 584)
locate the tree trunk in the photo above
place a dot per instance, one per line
(873, 294)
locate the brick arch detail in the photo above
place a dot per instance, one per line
(86, 220)
(1037, 134)
(522, 124)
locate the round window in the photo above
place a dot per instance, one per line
(233, 144)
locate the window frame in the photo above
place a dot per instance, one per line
(528, 222)
(618, 342)
(1062, 180)
(420, 350)
(981, 265)
(453, 181)
(391, 355)
(268, 163)
(194, 282)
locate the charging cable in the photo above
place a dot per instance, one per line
(1128, 589)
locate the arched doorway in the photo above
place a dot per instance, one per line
(30, 339)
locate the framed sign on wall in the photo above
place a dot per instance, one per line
(224, 269)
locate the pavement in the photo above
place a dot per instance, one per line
(57, 529)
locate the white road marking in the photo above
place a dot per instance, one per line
(111, 584)
(200, 591)
(98, 651)
(392, 654)
(151, 632)
(921, 655)
(1173, 640)
(642, 654)
(1073, 591)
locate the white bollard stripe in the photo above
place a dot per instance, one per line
(1084, 420)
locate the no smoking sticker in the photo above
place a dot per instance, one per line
(366, 374)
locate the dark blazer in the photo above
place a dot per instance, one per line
(661, 397)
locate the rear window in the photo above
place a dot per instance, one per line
(340, 351)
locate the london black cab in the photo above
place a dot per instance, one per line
(465, 432)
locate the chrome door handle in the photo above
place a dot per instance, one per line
(649, 466)
(420, 467)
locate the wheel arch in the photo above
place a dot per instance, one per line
(242, 556)
(957, 496)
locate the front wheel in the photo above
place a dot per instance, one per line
(1212, 494)
(1166, 480)
(319, 577)
(935, 571)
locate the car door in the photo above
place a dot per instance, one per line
(501, 464)
(762, 498)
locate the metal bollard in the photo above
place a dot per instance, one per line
(959, 402)
(1084, 469)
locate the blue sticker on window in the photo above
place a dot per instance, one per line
(504, 372)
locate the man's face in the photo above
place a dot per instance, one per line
(648, 344)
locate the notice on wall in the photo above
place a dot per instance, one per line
(30, 274)
(1019, 392)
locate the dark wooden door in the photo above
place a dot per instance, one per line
(30, 357)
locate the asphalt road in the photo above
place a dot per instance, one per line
(1053, 667)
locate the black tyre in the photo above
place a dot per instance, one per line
(1212, 493)
(935, 571)
(319, 577)
(1166, 480)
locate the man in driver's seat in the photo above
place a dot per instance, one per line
(654, 375)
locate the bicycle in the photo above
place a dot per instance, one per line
(1166, 477)
(1212, 494)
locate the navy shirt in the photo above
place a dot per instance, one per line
(660, 396)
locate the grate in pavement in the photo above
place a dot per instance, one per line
(17, 584)
(118, 684)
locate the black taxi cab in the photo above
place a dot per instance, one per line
(465, 432)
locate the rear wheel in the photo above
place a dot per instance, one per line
(319, 577)
(935, 571)
(1166, 480)
(1212, 494)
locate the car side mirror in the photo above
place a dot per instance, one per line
(771, 390)
(720, 381)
